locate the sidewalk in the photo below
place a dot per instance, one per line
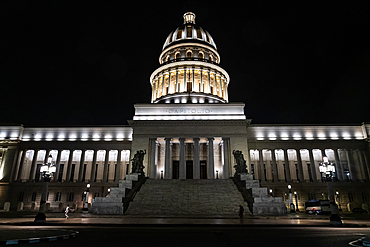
(19, 227)
(295, 219)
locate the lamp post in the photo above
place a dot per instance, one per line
(270, 190)
(327, 169)
(216, 174)
(292, 210)
(338, 200)
(296, 200)
(161, 174)
(85, 209)
(47, 171)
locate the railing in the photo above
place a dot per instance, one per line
(189, 59)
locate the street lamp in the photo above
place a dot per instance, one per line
(216, 174)
(338, 200)
(85, 209)
(161, 174)
(296, 200)
(327, 169)
(47, 172)
(292, 210)
(270, 192)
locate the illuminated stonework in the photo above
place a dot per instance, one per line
(189, 71)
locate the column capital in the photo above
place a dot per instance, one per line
(196, 139)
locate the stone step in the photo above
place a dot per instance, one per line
(181, 196)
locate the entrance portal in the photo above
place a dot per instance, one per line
(189, 169)
(203, 169)
(175, 169)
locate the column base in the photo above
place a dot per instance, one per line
(40, 218)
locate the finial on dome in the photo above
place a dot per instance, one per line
(189, 17)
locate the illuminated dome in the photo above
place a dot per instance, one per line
(189, 31)
(189, 69)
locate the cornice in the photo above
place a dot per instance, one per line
(189, 44)
(245, 122)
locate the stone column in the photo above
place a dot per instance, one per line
(185, 84)
(226, 157)
(167, 159)
(299, 163)
(365, 164)
(81, 170)
(182, 165)
(69, 167)
(118, 167)
(210, 163)
(274, 167)
(47, 152)
(339, 166)
(177, 81)
(209, 82)
(33, 166)
(201, 86)
(287, 167)
(193, 84)
(153, 169)
(196, 171)
(57, 164)
(313, 165)
(106, 164)
(21, 166)
(351, 165)
(262, 171)
(169, 82)
(93, 166)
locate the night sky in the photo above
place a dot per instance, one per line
(87, 63)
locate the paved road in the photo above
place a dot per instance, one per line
(206, 236)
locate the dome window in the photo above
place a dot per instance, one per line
(170, 40)
(201, 55)
(189, 32)
(179, 34)
(199, 33)
(207, 38)
(211, 58)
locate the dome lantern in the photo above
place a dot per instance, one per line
(189, 17)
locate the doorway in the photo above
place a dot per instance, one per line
(175, 169)
(189, 169)
(203, 169)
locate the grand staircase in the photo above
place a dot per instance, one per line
(187, 197)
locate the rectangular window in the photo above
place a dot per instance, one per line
(84, 173)
(309, 172)
(60, 175)
(33, 197)
(189, 32)
(71, 197)
(72, 173)
(297, 172)
(179, 34)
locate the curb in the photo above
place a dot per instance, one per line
(73, 234)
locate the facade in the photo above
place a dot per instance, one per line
(189, 131)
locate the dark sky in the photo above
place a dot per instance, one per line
(88, 63)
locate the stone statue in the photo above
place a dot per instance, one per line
(241, 166)
(137, 162)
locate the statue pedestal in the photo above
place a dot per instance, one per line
(262, 203)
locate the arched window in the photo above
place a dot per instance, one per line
(167, 58)
(200, 55)
(177, 55)
(211, 58)
(189, 54)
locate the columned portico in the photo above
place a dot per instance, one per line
(210, 164)
(182, 167)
